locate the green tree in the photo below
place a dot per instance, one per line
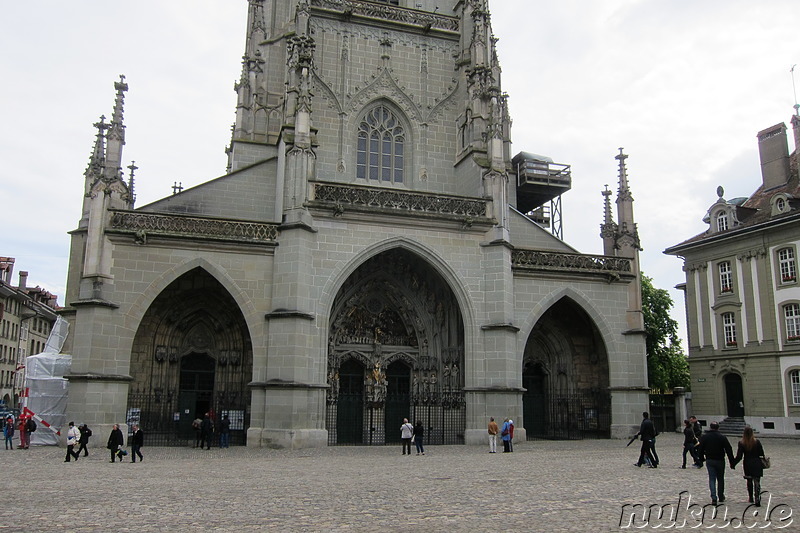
(667, 366)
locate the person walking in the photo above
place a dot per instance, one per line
(713, 448)
(647, 432)
(505, 435)
(406, 432)
(224, 432)
(510, 435)
(751, 451)
(8, 433)
(23, 436)
(84, 441)
(419, 433)
(493, 429)
(73, 437)
(698, 432)
(137, 441)
(689, 443)
(115, 443)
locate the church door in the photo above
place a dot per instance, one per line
(350, 408)
(534, 400)
(398, 401)
(196, 391)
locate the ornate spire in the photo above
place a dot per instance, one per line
(116, 134)
(97, 161)
(624, 191)
(627, 234)
(131, 192)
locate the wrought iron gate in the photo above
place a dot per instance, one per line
(352, 421)
(165, 422)
(567, 416)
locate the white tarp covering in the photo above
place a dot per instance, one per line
(47, 388)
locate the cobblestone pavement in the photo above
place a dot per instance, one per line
(543, 486)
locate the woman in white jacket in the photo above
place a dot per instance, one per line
(73, 436)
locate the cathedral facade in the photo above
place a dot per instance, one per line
(371, 253)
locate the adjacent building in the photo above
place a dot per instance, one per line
(743, 298)
(371, 253)
(27, 315)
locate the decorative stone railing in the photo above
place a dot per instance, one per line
(340, 196)
(557, 261)
(145, 224)
(390, 12)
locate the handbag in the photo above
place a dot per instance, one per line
(765, 462)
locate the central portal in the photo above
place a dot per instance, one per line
(396, 350)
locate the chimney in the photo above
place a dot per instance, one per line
(23, 279)
(774, 152)
(6, 269)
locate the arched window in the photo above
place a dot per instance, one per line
(729, 327)
(791, 313)
(380, 152)
(794, 377)
(725, 277)
(722, 221)
(787, 265)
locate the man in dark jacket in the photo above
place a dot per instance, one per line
(206, 431)
(115, 442)
(698, 432)
(85, 434)
(647, 432)
(714, 446)
(137, 441)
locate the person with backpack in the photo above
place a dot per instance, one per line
(27, 426)
(505, 435)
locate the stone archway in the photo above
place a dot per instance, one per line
(566, 376)
(191, 354)
(400, 320)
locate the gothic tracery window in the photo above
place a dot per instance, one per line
(380, 152)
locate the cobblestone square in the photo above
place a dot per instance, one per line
(542, 486)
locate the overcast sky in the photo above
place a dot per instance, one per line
(683, 86)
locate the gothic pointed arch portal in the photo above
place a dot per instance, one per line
(191, 355)
(565, 374)
(395, 350)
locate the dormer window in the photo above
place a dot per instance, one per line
(725, 277)
(722, 221)
(780, 204)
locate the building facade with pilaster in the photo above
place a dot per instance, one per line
(743, 298)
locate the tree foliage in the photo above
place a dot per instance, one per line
(667, 366)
